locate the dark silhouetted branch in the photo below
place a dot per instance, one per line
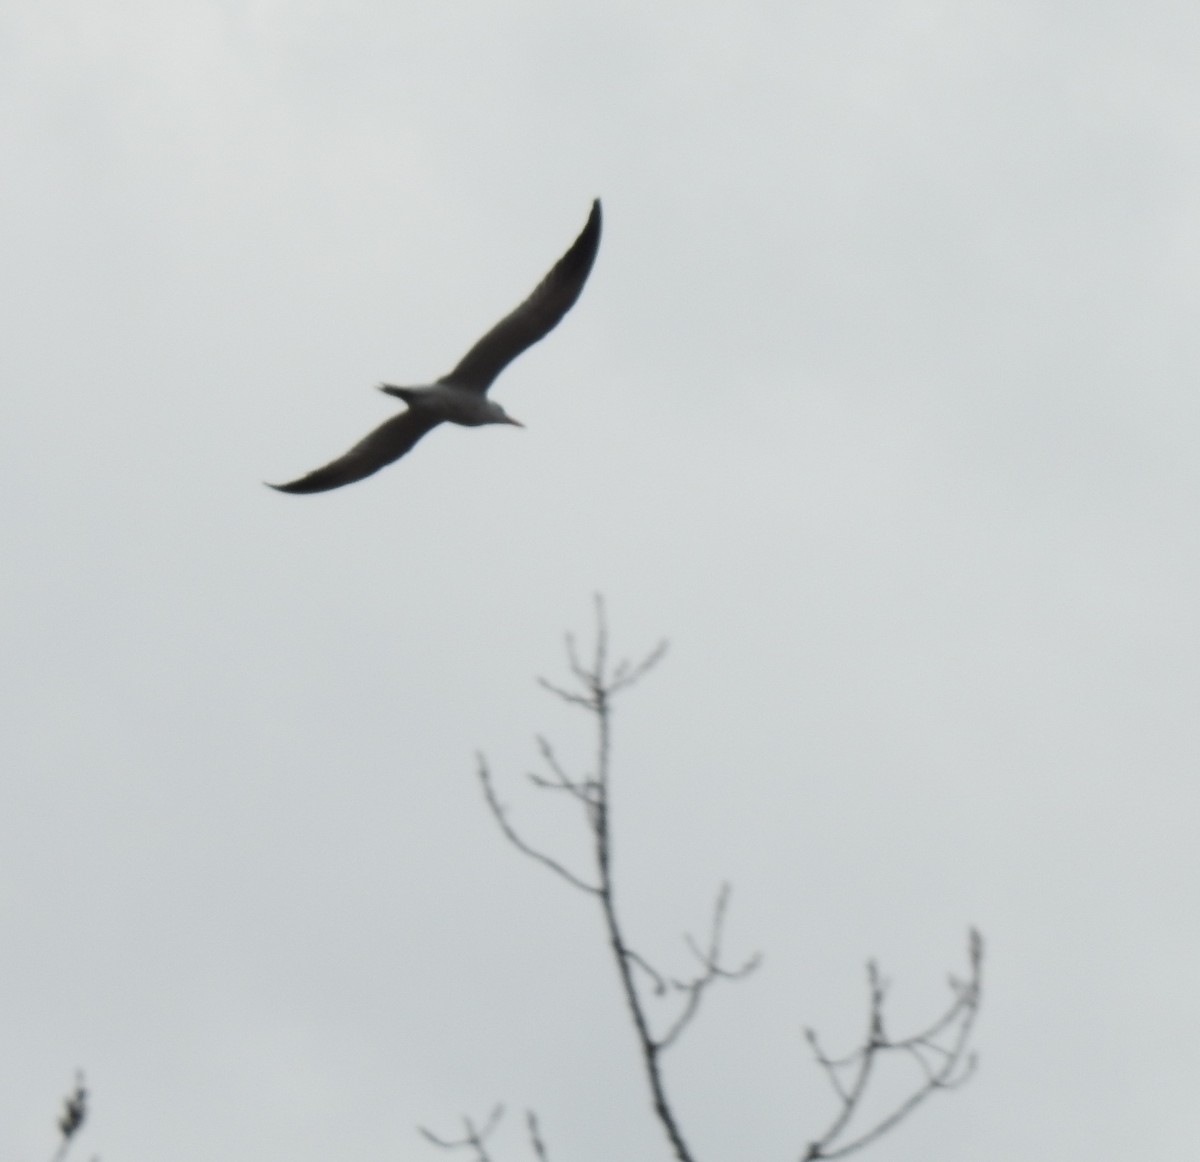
(473, 1138)
(74, 1114)
(535, 1137)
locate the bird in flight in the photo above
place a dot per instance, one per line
(461, 396)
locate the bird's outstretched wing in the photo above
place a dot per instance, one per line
(536, 317)
(386, 443)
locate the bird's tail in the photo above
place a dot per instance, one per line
(408, 394)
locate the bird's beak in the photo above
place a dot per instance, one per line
(515, 423)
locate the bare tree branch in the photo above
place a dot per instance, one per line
(566, 695)
(626, 675)
(474, 1138)
(658, 982)
(594, 687)
(595, 678)
(511, 835)
(535, 1137)
(584, 790)
(952, 1066)
(710, 961)
(938, 1050)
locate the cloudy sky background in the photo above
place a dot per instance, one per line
(881, 404)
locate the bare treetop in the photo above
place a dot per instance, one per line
(661, 1005)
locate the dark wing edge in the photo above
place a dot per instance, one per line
(386, 443)
(536, 317)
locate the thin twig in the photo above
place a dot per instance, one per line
(472, 1139)
(515, 839)
(566, 695)
(626, 675)
(535, 1137)
(710, 962)
(657, 981)
(561, 781)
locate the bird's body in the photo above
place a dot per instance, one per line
(461, 397)
(451, 403)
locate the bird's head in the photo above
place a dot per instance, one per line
(497, 415)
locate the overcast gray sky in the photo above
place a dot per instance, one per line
(881, 404)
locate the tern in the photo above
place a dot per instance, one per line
(461, 396)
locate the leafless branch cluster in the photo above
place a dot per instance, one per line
(596, 684)
(475, 1138)
(939, 1050)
